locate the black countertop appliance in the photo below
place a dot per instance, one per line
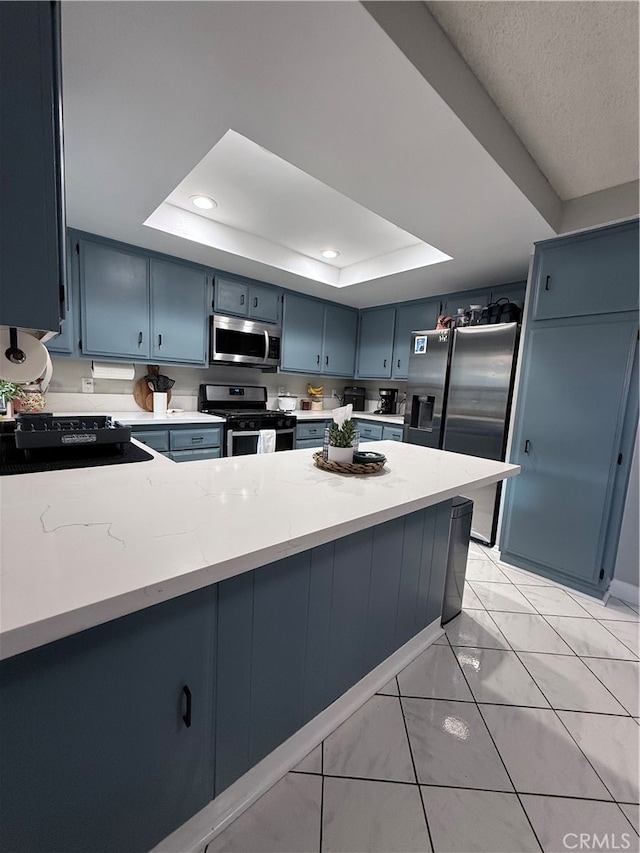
(356, 396)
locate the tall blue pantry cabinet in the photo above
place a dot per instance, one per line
(577, 408)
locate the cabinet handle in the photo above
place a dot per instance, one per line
(398, 362)
(527, 445)
(242, 299)
(546, 284)
(385, 363)
(318, 359)
(255, 302)
(159, 340)
(195, 438)
(326, 360)
(187, 711)
(139, 338)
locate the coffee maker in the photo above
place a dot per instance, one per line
(388, 398)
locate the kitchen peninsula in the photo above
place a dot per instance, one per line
(278, 587)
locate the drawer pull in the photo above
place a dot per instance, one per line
(195, 438)
(187, 711)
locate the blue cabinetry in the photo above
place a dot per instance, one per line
(310, 433)
(32, 224)
(318, 337)
(114, 286)
(576, 396)
(392, 433)
(182, 443)
(137, 306)
(95, 750)
(375, 344)
(589, 273)
(246, 299)
(410, 318)
(66, 343)
(341, 608)
(179, 313)
(369, 430)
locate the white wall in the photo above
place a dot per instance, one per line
(65, 391)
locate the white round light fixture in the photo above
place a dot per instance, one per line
(203, 202)
(329, 253)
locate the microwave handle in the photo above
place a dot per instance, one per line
(266, 346)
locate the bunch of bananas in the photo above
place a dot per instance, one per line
(315, 391)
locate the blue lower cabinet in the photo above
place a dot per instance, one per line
(369, 431)
(106, 736)
(194, 439)
(392, 433)
(295, 635)
(156, 439)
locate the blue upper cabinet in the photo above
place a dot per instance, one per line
(339, 340)
(375, 346)
(246, 299)
(263, 303)
(115, 301)
(231, 297)
(318, 337)
(66, 343)
(410, 318)
(32, 258)
(179, 313)
(587, 273)
(302, 328)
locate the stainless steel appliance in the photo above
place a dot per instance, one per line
(355, 396)
(388, 397)
(244, 408)
(459, 391)
(236, 341)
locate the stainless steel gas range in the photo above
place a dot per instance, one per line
(244, 408)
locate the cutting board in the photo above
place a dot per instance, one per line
(143, 395)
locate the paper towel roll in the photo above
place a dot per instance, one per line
(33, 368)
(106, 370)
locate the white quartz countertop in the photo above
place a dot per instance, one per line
(138, 418)
(327, 414)
(84, 546)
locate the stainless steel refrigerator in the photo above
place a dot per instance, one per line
(459, 393)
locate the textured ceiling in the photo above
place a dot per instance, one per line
(564, 75)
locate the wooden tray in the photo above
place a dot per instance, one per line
(347, 467)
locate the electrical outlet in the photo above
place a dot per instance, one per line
(334, 393)
(87, 386)
(280, 390)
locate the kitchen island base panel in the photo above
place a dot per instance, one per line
(113, 737)
(216, 816)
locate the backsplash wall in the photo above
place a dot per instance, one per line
(65, 391)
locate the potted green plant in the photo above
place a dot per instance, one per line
(341, 441)
(9, 391)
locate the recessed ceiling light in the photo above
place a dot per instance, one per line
(203, 202)
(329, 253)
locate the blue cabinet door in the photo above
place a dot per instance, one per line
(179, 313)
(375, 346)
(570, 406)
(32, 223)
(302, 334)
(410, 318)
(264, 303)
(231, 297)
(339, 340)
(115, 301)
(589, 273)
(95, 753)
(66, 343)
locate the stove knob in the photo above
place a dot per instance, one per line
(252, 425)
(242, 424)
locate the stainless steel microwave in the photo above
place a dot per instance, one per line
(236, 341)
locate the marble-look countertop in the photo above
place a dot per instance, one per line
(83, 546)
(138, 418)
(397, 420)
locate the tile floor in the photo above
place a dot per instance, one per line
(518, 731)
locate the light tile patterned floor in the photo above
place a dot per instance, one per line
(517, 732)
